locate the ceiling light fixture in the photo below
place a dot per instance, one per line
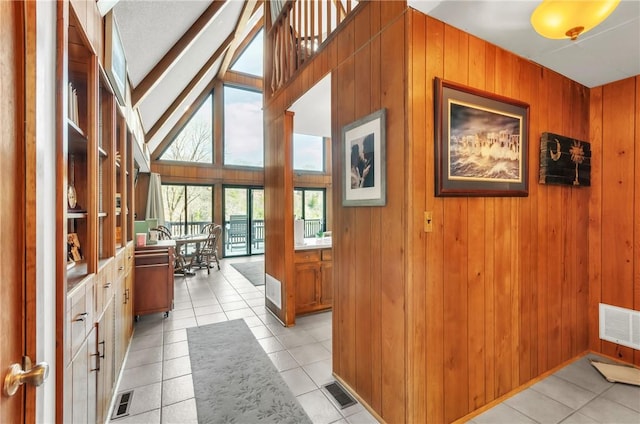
(559, 19)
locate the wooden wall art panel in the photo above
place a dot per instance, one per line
(564, 160)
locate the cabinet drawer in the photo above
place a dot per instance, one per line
(152, 257)
(327, 255)
(307, 256)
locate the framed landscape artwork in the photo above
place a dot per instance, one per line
(481, 142)
(115, 61)
(363, 154)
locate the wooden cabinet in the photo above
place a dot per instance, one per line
(153, 281)
(106, 360)
(313, 280)
(95, 169)
(81, 372)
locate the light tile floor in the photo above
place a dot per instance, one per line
(158, 368)
(577, 393)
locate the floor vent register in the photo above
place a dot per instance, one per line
(121, 408)
(343, 398)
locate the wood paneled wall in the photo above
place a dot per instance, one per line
(431, 326)
(367, 60)
(498, 292)
(614, 225)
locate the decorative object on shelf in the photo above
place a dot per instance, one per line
(364, 156)
(564, 160)
(72, 195)
(481, 142)
(74, 251)
(118, 235)
(559, 19)
(72, 106)
(115, 60)
(118, 203)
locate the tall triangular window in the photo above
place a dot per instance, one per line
(194, 143)
(250, 61)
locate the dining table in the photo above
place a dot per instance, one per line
(184, 261)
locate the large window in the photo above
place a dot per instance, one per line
(309, 204)
(243, 129)
(308, 153)
(187, 208)
(194, 143)
(250, 61)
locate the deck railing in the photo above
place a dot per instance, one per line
(298, 28)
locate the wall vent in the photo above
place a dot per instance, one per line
(620, 325)
(273, 290)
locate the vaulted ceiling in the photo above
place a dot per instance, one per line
(175, 49)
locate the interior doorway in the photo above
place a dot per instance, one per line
(243, 229)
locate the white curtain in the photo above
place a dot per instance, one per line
(155, 203)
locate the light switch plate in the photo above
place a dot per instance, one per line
(428, 221)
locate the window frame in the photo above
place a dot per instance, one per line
(184, 224)
(224, 124)
(209, 96)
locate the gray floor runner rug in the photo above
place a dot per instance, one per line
(253, 271)
(235, 381)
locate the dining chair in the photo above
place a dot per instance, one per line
(164, 233)
(208, 251)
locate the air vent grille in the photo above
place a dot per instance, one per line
(121, 408)
(620, 325)
(343, 399)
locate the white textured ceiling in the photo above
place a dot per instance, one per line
(150, 28)
(607, 53)
(312, 111)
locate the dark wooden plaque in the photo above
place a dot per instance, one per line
(564, 160)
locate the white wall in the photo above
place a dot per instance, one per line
(45, 188)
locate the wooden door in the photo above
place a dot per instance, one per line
(17, 268)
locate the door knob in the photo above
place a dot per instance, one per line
(16, 376)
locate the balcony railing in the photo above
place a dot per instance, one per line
(298, 28)
(235, 230)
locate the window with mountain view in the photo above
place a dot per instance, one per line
(194, 143)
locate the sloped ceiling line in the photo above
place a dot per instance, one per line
(185, 92)
(174, 54)
(247, 12)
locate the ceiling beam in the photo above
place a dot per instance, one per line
(249, 8)
(177, 103)
(247, 40)
(173, 55)
(104, 6)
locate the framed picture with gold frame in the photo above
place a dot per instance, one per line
(481, 142)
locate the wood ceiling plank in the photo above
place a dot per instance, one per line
(247, 12)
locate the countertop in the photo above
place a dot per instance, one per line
(314, 243)
(159, 244)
